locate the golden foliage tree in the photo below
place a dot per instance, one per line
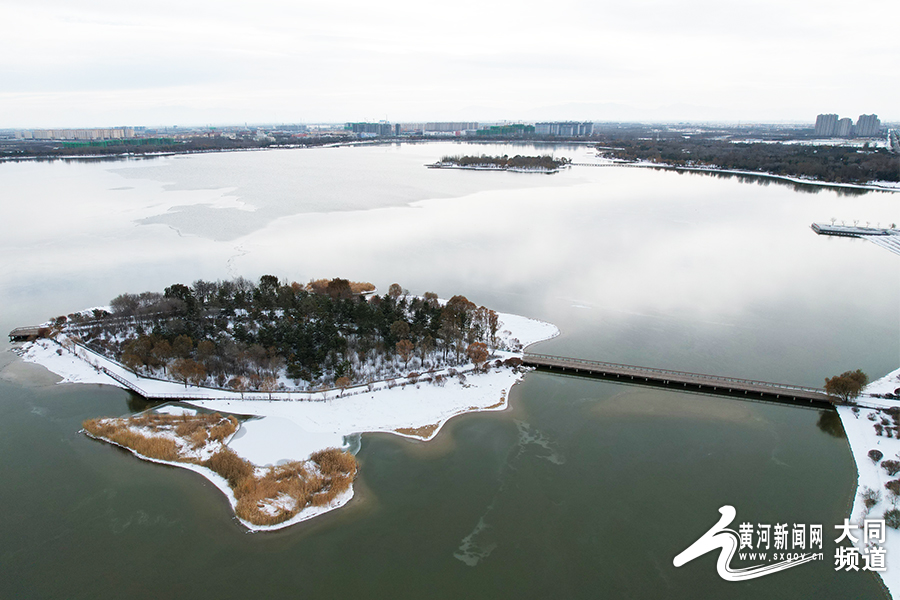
(847, 385)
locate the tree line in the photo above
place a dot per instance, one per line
(839, 164)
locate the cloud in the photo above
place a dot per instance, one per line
(411, 60)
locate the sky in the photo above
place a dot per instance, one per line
(99, 63)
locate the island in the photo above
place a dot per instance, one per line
(520, 164)
(266, 387)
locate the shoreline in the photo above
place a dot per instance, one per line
(293, 428)
(870, 186)
(222, 485)
(861, 438)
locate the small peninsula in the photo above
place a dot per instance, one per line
(520, 164)
(268, 385)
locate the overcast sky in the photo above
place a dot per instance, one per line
(80, 63)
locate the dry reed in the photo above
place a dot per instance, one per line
(270, 499)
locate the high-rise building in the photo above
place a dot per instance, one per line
(868, 126)
(844, 127)
(826, 125)
(565, 129)
(381, 129)
(82, 134)
(449, 127)
(894, 141)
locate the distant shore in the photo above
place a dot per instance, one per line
(134, 153)
(886, 186)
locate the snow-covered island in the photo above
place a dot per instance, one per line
(282, 452)
(518, 164)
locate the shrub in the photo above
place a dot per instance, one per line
(875, 455)
(893, 486)
(892, 518)
(891, 466)
(870, 497)
(878, 428)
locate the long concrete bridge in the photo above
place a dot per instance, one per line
(684, 380)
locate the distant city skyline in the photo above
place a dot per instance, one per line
(102, 63)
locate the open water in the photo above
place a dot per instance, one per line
(583, 489)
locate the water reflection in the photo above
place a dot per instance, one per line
(661, 404)
(797, 186)
(830, 423)
(138, 403)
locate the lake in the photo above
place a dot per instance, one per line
(583, 489)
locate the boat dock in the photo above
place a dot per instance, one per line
(28, 334)
(889, 239)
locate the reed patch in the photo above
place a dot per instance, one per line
(264, 496)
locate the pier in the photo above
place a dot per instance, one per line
(28, 334)
(889, 239)
(683, 380)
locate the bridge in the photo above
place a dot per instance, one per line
(695, 382)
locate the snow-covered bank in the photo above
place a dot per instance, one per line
(881, 186)
(862, 437)
(294, 430)
(294, 425)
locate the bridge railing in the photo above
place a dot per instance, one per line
(655, 371)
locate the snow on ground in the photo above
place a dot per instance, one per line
(175, 410)
(71, 368)
(527, 331)
(862, 438)
(275, 440)
(294, 430)
(293, 425)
